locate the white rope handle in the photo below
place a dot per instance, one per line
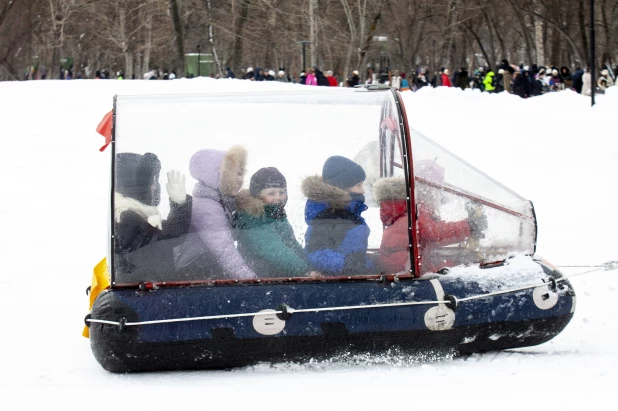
(611, 265)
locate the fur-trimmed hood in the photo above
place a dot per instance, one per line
(246, 203)
(315, 189)
(390, 188)
(218, 170)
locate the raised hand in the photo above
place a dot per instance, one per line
(176, 187)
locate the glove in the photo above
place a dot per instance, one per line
(176, 187)
(477, 220)
(478, 223)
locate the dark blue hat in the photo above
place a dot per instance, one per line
(266, 177)
(342, 172)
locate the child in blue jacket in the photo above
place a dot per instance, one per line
(337, 235)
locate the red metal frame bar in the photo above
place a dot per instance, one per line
(412, 231)
(473, 198)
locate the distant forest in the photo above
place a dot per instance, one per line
(135, 36)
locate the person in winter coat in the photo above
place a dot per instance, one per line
(229, 73)
(446, 81)
(270, 76)
(311, 79)
(565, 75)
(332, 81)
(282, 77)
(405, 86)
(396, 80)
(578, 80)
(555, 81)
(143, 241)
(462, 79)
(421, 79)
(605, 80)
(587, 82)
(337, 236)
(520, 85)
(354, 80)
(250, 75)
(265, 237)
(208, 251)
(507, 76)
(302, 78)
(390, 193)
(259, 74)
(320, 77)
(433, 232)
(538, 84)
(488, 81)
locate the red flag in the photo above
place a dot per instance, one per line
(105, 129)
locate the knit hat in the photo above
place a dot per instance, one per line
(135, 176)
(355, 72)
(342, 172)
(271, 73)
(266, 177)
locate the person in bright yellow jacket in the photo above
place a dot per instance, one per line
(488, 82)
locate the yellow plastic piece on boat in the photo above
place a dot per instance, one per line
(100, 281)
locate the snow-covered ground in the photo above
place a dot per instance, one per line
(554, 150)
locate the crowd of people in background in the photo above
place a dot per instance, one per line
(521, 80)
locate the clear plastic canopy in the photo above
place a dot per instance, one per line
(294, 132)
(291, 185)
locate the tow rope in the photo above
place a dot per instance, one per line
(286, 311)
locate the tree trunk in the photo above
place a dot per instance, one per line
(313, 32)
(178, 34)
(128, 65)
(238, 38)
(539, 36)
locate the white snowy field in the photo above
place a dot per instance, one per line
(553, 149)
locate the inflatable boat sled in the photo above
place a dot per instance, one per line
(448, 253)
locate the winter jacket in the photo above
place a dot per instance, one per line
(311, 80)
(537, 87)
(462, 80)
(143, 242)
(578, 80)
(446, 82)
(266, 240)
(488, 81)
(421, 81)
(354, 81)
(396, 82)
(507, 77)
(337, 236)
(605, 82)
(332, 81)
(390, 193)
(587, 84)
(209, 251)
(320, 78)
(259, 74)
(521, 86)
(434, 234)
(404, 84)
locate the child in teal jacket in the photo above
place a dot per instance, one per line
(265, 238)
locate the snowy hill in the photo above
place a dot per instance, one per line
(553, 149)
